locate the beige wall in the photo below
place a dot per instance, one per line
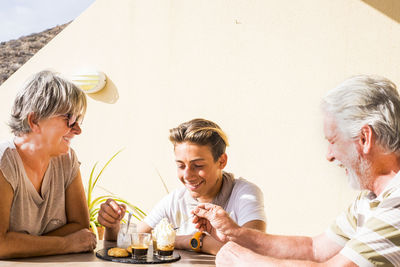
(257, 68)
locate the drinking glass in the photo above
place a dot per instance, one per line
(140, 243)
(124, 235)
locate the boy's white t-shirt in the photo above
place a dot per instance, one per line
(245, 204)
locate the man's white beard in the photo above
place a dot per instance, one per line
(364, 168)
(353, 180)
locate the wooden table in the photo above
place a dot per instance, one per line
(188, 258)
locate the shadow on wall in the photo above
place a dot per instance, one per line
(390, 8)
(108, 95)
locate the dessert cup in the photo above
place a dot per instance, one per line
(164, 239)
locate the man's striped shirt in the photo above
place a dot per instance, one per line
(369, 230)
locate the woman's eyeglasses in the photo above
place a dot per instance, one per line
(73, 120)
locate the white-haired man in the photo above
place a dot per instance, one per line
(362, 126)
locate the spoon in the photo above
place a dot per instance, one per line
(129, 222)
(184, 222)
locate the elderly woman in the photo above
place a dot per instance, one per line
(199, 147)
(43, 209)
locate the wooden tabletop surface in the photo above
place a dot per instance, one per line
(188, 258)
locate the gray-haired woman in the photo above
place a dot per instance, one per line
(43, 209)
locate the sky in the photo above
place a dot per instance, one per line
(23, 17)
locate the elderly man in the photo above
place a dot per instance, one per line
(362, 126)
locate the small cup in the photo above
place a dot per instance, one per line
(140, 245)
(124, 236)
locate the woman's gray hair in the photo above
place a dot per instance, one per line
(367, 100)
(46, 94)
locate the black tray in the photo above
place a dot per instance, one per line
(102, 254)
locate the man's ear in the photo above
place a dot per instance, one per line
(33, 122)
(223, 160)
(366, 139)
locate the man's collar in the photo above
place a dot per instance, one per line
(392, 185)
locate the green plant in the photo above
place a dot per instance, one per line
(162, 181)
(94, 203)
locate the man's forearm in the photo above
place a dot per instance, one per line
(266, 261)
(281, 247)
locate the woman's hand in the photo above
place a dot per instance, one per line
(110, 216)
(111, 213)
(80, 241)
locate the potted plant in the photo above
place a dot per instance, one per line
(94, 203)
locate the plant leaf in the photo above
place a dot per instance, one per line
(90, 188)
(105, 189)
(105, 165)
(135, 209)
(162, 180)
(94, 212)
(93, 204)
(98, 201)
(94, 228)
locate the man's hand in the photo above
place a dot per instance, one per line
(80, 241)
(111, 213)
(214, 220)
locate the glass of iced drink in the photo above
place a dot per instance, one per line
(124, 235)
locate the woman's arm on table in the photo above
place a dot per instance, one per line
(18, 245)
(211, 245)
(76, 209)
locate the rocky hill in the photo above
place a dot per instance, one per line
(14, 53)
